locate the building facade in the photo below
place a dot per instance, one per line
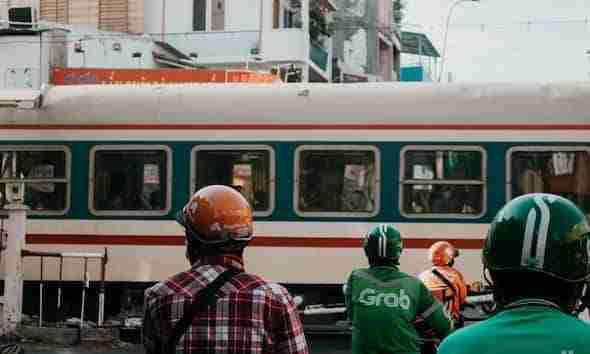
(366, 41)
(361, 45)
(419, 57)
(260, 34)
(106, 15)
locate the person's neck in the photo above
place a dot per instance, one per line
(208, 258)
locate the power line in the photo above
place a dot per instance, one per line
(524, 23)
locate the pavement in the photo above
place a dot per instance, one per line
(317, 346)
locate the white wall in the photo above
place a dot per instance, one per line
(24, 62)
(244, 15)
(152, 19)
(355, 51)
(286, 45)
(179, 16)
(99, 53)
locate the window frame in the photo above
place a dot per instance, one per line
(403, 182)
(134, 147)
(67, 180)
(535, 148)
(337, 214)
(239, 147)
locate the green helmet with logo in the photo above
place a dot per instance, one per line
(541, 233)
(383, 242)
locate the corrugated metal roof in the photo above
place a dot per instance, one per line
(418, 44)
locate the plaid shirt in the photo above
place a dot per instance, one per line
(252, 316)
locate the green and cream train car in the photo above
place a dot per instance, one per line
(109, 166)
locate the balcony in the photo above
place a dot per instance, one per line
(319, 56)
(233, 47)
(216, 47)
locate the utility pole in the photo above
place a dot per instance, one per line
(444, 53)
(12, 301)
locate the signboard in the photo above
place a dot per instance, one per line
(93, 76)
(151, 174)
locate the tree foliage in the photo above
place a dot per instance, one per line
(318, 22)
(398, 11)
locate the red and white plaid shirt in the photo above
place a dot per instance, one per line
(253, 315)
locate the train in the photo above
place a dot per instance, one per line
(109, 166)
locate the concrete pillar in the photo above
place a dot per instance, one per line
(13, 275)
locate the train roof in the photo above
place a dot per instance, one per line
(367, 103)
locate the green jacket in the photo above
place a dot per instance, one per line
(529, 327)
(383, 304)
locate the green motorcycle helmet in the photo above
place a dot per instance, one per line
(541, 233)
(383, 242)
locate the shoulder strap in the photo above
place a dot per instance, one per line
(444, 280)
(204, 298)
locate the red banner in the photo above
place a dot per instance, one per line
(91, 76)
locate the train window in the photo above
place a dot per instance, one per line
(564, 171)
(130, 180)
(340, 181)
(45, 171)
(248, 168)
(442, 181)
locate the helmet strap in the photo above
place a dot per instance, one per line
(384, 262)
(486, 277)
(584, 301)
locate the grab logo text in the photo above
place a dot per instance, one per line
(370, 297)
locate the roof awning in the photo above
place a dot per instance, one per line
(165, 54)
(418, 44)
(173, 63)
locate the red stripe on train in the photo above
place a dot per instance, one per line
(296, 126)
(261, 241)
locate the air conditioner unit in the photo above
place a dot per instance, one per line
(22, 17)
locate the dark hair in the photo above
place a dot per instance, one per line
(196, 251)
(510, 286)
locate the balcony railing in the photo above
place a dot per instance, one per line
(319, 56)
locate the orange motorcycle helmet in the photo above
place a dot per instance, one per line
(442, 253)
(217, 216)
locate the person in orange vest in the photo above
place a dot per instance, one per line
(445, 282)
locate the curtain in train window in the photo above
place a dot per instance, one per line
(248, 171)
(134, 180)
(565, 173)
(443, 182)
(337, 181)
(44, 173)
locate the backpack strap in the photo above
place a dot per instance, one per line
(444, 280)
(447, 282)
(205, 297)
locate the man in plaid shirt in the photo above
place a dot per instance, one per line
(251, 315)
